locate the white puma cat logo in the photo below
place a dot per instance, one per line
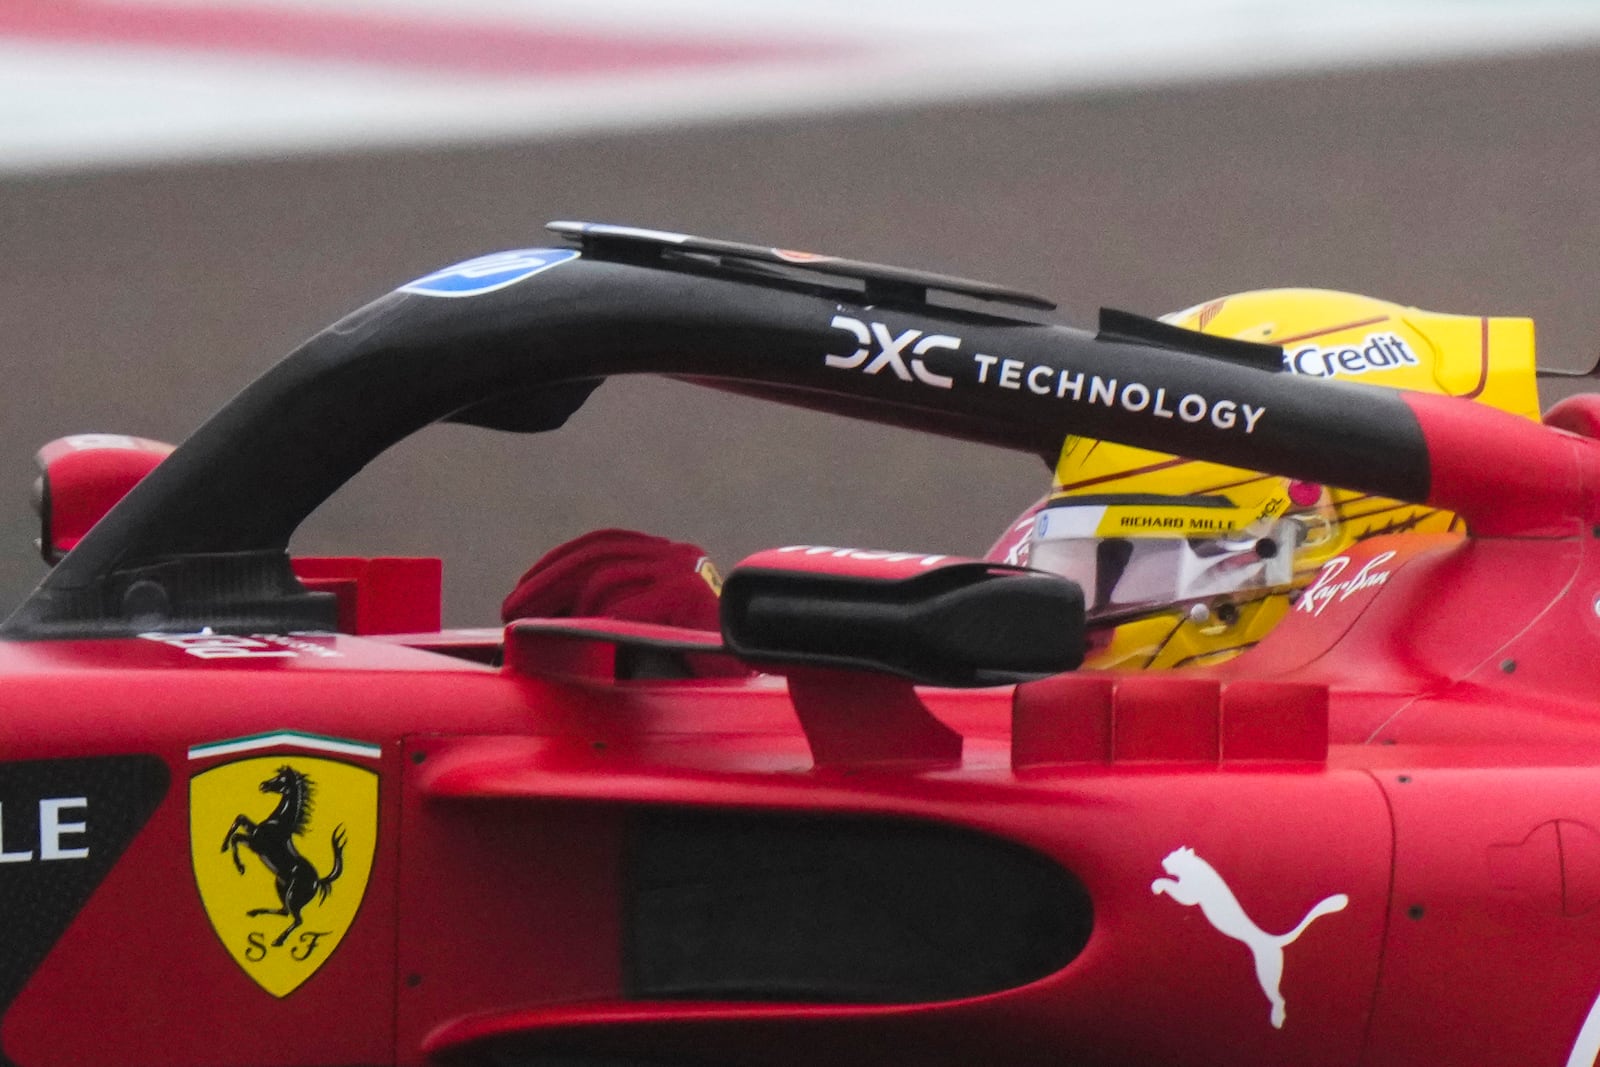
(1194, 881)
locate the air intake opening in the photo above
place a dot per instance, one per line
(723, 906)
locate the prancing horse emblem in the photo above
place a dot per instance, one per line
(1194, 881)
(283, 891)
(272, 840)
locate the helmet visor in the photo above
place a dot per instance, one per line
(1121, 573)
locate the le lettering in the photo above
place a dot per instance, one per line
(62, 830)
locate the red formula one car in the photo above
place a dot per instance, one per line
(244, 820)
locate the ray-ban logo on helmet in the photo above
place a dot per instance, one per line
(900, 353)
(1331, 584)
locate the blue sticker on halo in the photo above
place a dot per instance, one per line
(488, 273)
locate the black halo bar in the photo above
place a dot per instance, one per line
(202, 540)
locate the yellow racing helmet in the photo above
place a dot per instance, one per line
(1186, 562)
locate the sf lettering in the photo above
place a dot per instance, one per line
(300, 949)
(891, 350)
(61, 828)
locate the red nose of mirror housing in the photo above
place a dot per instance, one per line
(81, 478)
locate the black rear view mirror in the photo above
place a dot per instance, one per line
(937, 620)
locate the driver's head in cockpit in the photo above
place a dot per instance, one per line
(1188, 562)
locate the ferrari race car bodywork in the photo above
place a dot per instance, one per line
(241, 824)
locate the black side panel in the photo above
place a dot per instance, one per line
(841, 910)
(88, 806)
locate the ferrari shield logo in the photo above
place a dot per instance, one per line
(282, 848)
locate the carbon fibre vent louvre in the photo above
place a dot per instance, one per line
(838, 910)
(883, 282)
(1137, 329)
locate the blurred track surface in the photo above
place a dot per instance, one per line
(103, 82)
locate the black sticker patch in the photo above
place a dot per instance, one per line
(63, 826)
